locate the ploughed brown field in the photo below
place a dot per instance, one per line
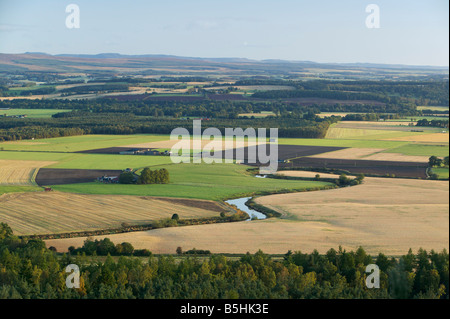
(381, 215)
(382, 168)
(60, 176)
(109, 150)
(56, 212)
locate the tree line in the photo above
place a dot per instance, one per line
(79, 123)
(433, 123)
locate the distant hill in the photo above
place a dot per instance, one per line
(154, 64)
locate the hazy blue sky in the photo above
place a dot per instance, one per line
(411, 32)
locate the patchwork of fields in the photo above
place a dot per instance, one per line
(409, 213)
(382, 215)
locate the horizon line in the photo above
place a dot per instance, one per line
(230, 58)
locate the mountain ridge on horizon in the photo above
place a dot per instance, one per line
(112, 55)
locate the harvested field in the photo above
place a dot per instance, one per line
(374, 124)
(356, 133)
(373, 154)
(349, 153)
(381, 215)
(55, 212)
(14, 172)
(399, 169)
(429, 138)
(397, 157)
(61, 176)
(388, 125)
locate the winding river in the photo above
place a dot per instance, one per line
(240, 204)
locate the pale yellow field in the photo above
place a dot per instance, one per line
(350, 153)
(13, 172)
(32, 97)
(23, 143)
(431, 138)
(375, 124)
(397, 157)
(374, 154)
(56, 212)
(333, 113)
(382, 215)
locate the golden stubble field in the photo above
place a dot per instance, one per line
(57, 212)
(21, 173)
(382, 215)
(371, 154)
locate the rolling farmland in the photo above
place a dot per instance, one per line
(382, 215)
(55, 212)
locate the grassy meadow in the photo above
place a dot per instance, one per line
(80, 142)
(201, 181)
(33, 113)
(442, 172)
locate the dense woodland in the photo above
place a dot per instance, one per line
(29, 270)
(83, 122)
(420, 92)
(378, 99)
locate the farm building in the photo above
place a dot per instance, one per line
(147, 151)
(108, 179)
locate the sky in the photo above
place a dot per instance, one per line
(410, 32)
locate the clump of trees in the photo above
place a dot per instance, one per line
(344, 180)
(158, 176)
(435, 161)
(433, 123)
(127, 178)
(104, 247)
(148, 176)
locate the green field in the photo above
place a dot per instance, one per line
(202, 181)
(19, 189)
(32, 113)
(421, 150)
(442, 172)
(29, 88)
(417, 118)
(106, 161)
(88, 161)
(81, 142)
(433, 108)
